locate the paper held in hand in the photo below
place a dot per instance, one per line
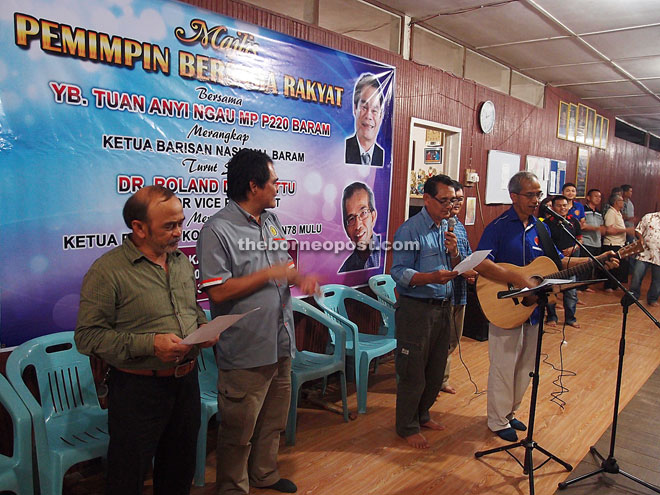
(471, 261)
(214, 328)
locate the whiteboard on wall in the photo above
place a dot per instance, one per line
(502, 165)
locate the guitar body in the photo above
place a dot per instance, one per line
(510, 313)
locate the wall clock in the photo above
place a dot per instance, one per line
(487, 117)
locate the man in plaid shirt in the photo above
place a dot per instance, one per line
(459, 296)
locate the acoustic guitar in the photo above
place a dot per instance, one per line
(511, 313)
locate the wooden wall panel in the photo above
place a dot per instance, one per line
(431, 94)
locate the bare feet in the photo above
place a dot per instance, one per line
(448, 389)
(575, 324)
(589, 290)
(552, 324)
(581, 303)
(654, 304)
(432, 425)
(417, 441)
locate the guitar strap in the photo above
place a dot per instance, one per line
(547, 245)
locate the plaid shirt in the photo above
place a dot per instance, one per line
(459, 296)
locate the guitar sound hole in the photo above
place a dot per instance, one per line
(515, 299)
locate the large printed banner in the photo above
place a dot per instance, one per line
(99, 98)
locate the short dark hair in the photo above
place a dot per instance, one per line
(137, 206)
(615, 190)
(567, 184)
(431, 184)
(592, 191)
(367, 79)
(350, 190)
(244, 167)
(626, 187)
(458, 186)
(558, 197)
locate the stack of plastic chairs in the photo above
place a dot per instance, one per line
(364, 347)
(69, 425)
(383, 286)
(16, 471)
(309, 365)
(208, 390)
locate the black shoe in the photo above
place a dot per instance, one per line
(517, 425)
(283, 485)
(508, 434)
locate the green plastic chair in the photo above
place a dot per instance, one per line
(364, 347)
(383, 286)
(69, 425)
(307, 365)
(16, 471)
(208, 390)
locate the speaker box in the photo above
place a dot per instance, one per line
(475, 325)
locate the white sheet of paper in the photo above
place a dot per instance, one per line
(471, 261)
(214, 328)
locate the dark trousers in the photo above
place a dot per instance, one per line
(422, 332)
(152, 419)
(595, 272)
(620, 273)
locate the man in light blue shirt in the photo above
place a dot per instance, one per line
(424, 254)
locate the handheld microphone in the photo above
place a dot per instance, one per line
(551, 213)
(451, 223)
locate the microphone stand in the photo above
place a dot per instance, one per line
(610, 465)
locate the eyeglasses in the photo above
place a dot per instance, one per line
(459, 200)
(373, 109)
(532, 195)
(446, 201)
(362, 215)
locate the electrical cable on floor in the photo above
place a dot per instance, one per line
(558, 382)
(460, 356)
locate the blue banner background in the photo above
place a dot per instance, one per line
(59, 181)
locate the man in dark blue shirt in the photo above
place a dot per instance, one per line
(513, 238)
(424, 254)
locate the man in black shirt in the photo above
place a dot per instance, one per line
(567, 246)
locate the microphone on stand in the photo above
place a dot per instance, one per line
(550, 213)
(451, 223)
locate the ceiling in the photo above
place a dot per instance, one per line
(605, 51)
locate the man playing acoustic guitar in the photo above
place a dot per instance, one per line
(513, 238)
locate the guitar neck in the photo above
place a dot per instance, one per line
(624, 252)
(575, 270)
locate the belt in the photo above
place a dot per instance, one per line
(431, 300)
(177, 372)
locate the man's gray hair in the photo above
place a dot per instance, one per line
(614, 198)
(515, 183)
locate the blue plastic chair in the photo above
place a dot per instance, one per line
(16, 471)
(383, 286)
(69, 425)
(307, 365)
(208, 390)
(364, 347)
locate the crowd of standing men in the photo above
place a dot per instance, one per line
(138, 302)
